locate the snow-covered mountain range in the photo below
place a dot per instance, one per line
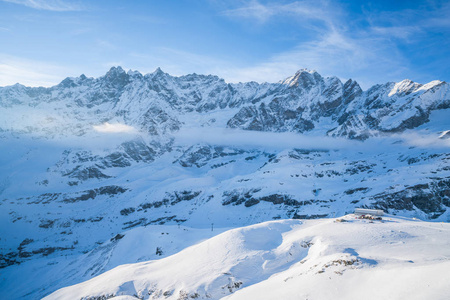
(90, 158)
(158, 103)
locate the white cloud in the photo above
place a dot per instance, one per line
(52, 5)
(258, 139)
(340, 46)
(114, 128)
(420, 140)
(104, 44)
(302, 10)
(332, 53)
(253, 10)
(400, 32)
(288, 140)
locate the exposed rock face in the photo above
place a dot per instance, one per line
(432, 198)
(274, 117)
(200, 155)
(305, 98)
(84, 165)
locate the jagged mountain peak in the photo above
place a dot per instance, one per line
(432, 84)
(116, 77)
(404, 87)
(68, 82)
(352, 85)
(195, 76)
(116, 70)
(351, 90)
(305, 70)
(16, 86)
(351, 82)
(158, 72)
(407, 87)
(134, 73)
(71, 82)
(303, 78)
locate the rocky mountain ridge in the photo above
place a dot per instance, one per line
(156, 103)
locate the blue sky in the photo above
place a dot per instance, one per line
(239, 40)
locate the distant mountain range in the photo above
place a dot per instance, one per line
(158, 103)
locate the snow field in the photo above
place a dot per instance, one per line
(292, 259)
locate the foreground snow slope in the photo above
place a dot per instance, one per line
(292, 259)
(134, 245)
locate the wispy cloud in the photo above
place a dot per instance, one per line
(338, 46)
(427, 15)
(104, 44)
(286, 140)
(306, 10)
(421, 140)
(332, 53)
(114, 128)
(253, 10)
(258, 139)
(331, 48)
(51, 5)
(368, 46)
(400, 32)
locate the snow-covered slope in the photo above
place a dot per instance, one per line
(87, 159)
(292, 259)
